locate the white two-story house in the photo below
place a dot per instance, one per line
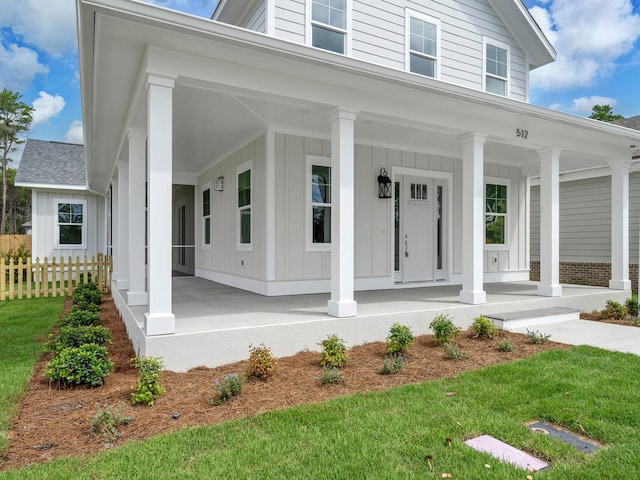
(327, 147)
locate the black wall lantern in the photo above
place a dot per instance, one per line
(384, 184)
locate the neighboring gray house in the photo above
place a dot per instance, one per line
(585, 222)
(68, 219)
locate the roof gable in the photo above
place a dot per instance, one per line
(50, 163)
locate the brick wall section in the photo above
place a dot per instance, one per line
(585, 273)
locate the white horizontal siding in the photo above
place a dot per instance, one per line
(290, 22)
(256, 18)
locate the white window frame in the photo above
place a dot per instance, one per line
(506, 183)
(57, 244)
(346, 32)
(244, 247)
(203, 223)
(407, 41)
(312, 160)
(490, 41)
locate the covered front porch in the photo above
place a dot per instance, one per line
(215, 323)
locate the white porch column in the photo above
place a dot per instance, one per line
(160, 320)
(620, 226)
(122, 282)
(549, 285)
(342, 303)
(137, 294)
(472, 219)
(115, 248)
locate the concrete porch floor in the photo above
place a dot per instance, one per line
(215, 323)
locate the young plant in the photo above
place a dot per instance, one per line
(443, 329)
(77, 318)
(76, 336)
(454, 352)
(632, 307)
(505, 346)
(537, 338)
(330, 374)
(262, 364)
(87, 292)
(88, 364)
(147, 388)
(399, 339)
(613, 310)
(230, 386)
(483, 327)
(393, 363)
(107, 421)
(334, 352)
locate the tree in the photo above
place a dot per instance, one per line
(15, 118)
(18, 203)
(604, 113)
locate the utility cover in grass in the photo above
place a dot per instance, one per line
(565, 436)
(506, 453)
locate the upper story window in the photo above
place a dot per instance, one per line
(70, 224)
(329, 24)
(422, 44)
(496, 65)
(244, 223)
(319, 202)
(495, 219)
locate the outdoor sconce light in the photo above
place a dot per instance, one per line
(384, 184)
(219, 186)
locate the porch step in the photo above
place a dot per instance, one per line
(528, 318)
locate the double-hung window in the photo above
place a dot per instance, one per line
(70, 224)
(496, 63)
(496, 210)
(206, 215)
(329, 24)
(243, 174)
(422, 35)
(319, 202)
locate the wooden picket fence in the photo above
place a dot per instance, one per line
(11, 243)
(52, 278)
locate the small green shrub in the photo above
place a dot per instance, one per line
(330, 374)
(454, 352)
(88, 364)
(70, 336)
(393, 363)
(86, 307)
(632, 307)
(230, 386)
(483, 327)
(262, 364)
(334, 352)
(444, 329)
(399, 339)
(107, 421)
(537, 337)
(613, 310)
(505, 346)
(87, 293)
(78, 318)
(147, 387)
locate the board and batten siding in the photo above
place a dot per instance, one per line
(378, 36)
(222, 256)
(44, 224)
(256, 18)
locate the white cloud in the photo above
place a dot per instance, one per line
(46, 106)
(75, 134)
(18, 67)
(50, 28)
(589, 36)
(584, 105)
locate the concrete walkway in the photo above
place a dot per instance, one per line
(618, 338)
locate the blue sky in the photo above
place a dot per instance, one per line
(598, 45)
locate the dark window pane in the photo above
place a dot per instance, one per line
(320, 184)
(328, 39)
(207, 231)
(206, 202)
(423, 66)
(244, 189)
(70, 234)
(321, 224)
(245, 225)
(494, 229)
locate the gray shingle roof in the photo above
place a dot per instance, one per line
(52, 163)
(631, 122)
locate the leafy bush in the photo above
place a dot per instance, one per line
(87, 306)
(87, 292)
(399, 339)
(614, 310)
(444, 329)
(88, 364)
(230, 386)
(537, 337)
(632, 307)
(262, 364)
(334, 352)
(454, 352)
(393, 363)
(147, 387)
(330, 374)
(505, 346)
(77, 317)
(70, 336)
(106, 422)
(483, 327)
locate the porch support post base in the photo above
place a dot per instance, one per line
(136, 298)
(477, 297)
(122, 284)
(550, 290)
(344, 308)
(620, 284)
(160, 324)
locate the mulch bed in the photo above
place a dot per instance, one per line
(54, 422)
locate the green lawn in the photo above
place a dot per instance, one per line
(389, 434)
(23, 324)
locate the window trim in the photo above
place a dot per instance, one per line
(204, 188)
(347, 31)
(310, 161)
(244, 247)
(506, 183)
(56, 241)
(409, 14)
(496, 43)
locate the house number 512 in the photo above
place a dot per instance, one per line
(522, 133)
